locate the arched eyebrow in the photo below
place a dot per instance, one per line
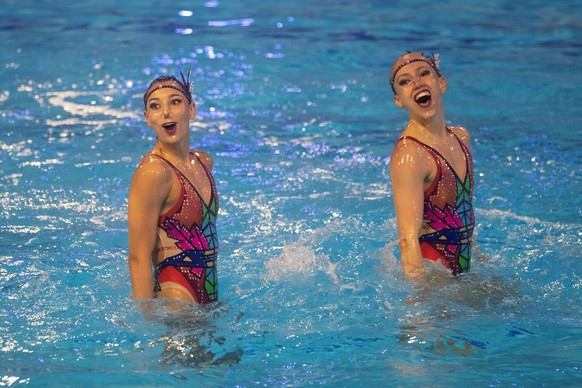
(432, 62)
(170, 96)
(405, 72)
(165, 86)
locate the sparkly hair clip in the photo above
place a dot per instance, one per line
(433, 61)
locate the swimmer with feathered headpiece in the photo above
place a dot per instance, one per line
(431, 171)
(173, 204)
(185, 86)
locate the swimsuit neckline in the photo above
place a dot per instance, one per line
(457, 176)
(185, 178)
(210, 200)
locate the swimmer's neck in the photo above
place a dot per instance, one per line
(178, 151)
(436, 127)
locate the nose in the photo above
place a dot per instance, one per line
(167, 111)
(417, 82)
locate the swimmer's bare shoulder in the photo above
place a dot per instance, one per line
(152, 172)
(462, 134)
(407, 153)
(205, 158)
(410, 167)
(153, 165)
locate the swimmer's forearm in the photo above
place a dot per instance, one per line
(411, 256)
(141, 278)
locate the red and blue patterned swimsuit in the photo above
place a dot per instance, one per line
(448, 213)
(188, 242)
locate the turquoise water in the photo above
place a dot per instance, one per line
(294, 104)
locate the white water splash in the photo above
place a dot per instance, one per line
(63, 100)
(299, 259)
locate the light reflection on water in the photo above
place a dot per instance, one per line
(303, 277)
(311, 289)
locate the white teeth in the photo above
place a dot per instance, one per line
(422, 97)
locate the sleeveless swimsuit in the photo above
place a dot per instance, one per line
(188, 241)
(448, 213)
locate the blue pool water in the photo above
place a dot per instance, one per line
(295, 106)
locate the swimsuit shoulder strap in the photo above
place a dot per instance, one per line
(176, 171)
(193, 153)
(183, 179)
(463, 147)
(434, 153)
(169, 213)
(208, 174)
(438, 159)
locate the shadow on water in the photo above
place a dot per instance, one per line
(446, 317)
(192, 338)
(447, 310)
(436, 341)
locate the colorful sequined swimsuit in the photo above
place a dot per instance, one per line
(188, 242)
(448, 213)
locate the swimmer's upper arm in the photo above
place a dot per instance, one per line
(149, 190)
(408, 171)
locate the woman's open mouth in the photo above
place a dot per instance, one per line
(423, 98)
(169, 127)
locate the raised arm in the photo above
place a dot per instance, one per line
(149, 190)
(409, 169)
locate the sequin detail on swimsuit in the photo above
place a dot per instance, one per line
(189, 242)
(448, 213)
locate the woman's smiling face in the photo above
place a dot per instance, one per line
(416, 79)
(417, 85)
